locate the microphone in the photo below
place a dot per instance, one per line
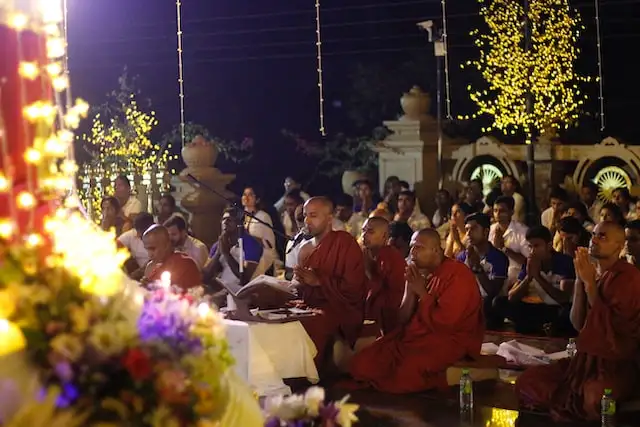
(298, 238)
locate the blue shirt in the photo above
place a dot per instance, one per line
(251, 247)
(494, 263)
(561, 266)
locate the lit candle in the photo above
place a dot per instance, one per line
(203, 310)
(165, 280)
(11, 338)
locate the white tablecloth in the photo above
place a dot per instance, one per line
(266, 353)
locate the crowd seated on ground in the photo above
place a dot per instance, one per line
(421, 280)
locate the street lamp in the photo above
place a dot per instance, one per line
(440, 52)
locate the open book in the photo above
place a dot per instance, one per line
(522, 354)
(264, 281)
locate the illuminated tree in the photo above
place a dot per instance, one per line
(120, 134)
(544, 72)
(120, 142)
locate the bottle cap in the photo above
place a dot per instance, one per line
(607, 391)
(465, 370)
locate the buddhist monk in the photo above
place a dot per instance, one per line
(184, 270)
(332, 279)
(440, 322)
(606, 312)
(384, 267)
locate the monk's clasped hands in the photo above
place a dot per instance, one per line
(416, 282)
(305, 276)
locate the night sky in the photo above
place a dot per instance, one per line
(250, 66)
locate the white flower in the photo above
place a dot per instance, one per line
(313, 398)
(286, 408)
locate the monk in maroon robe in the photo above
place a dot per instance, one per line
(606, 311)
(332, 279)
(384, 267)
(184, 271)
(440, 322)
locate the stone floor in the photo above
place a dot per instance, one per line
(495, 402)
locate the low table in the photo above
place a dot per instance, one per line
(267, 353)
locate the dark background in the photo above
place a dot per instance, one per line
(250, 67)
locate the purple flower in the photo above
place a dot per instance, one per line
(68, 395)
(329, 411)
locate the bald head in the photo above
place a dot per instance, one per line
(429, 235)
(608, 241)
(157, 243)
(375, 232)
(426, 249)
(320, 202)
(318, 216)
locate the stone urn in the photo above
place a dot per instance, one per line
(415, 104)
(204, 203)
(199, 153)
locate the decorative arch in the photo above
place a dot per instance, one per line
(610, 176)
(497, 162)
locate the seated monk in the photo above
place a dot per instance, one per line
(384, 267)
(184, 271)
(331, 278)
(606, 312)
(440, 322)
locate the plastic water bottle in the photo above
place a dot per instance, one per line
(607, 409)
(572, 349)
(466, 392)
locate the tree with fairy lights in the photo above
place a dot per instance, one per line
(532, 84)
(120, 142)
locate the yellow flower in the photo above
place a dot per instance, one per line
(68, 346)
(11, 338)
(347, 415)
(207, 423)
(110, 338)
(79, 318)
(7, 302)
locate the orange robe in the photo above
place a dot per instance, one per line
(447, 325)
(338, 262)
(184, 271)
(607, 354)
(386, 288)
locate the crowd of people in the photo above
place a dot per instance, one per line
(426, 282)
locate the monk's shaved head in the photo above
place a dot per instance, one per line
(608, 240)
(429, 235)
(320, 202)
(157, 243)
(375, 232)
(378, 222)
(318, 216)
(426, 249)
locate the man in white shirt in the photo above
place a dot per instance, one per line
(509, 236)
(509, 187)
(557, 204)
(407, 212)
(131, 206)
(290, 184)
(589, 196)
(132, 240)
(182, 242)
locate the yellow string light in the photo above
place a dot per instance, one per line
(546, 71)
(180, 71)
(320, 76)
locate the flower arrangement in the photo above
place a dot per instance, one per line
(133, 357)
(309, 410)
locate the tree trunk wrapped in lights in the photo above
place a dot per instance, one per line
(544, 72)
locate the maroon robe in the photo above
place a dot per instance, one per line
(386, 288)
(606, 358)
(447, 325)
(338, 262)
(184, 271)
